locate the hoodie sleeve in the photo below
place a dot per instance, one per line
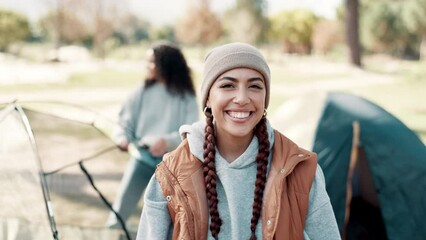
(320, 223)
(127, 118)
(155, 221)
(190, 114)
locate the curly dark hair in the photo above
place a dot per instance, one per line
(210, 176)
(171, 66)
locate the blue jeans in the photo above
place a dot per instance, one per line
(133, 183)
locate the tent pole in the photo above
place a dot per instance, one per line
(43, 183)
(352, 164)
(6, 111)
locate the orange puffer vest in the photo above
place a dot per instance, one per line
(286, 196)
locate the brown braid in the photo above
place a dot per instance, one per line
(262, 164)
(210, 177)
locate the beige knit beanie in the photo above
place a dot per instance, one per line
(230, 56)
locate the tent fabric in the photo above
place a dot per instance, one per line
(394, 155)
(19, 184)
(65, 136)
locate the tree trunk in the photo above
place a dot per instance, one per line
(352, 32)
(422, 51)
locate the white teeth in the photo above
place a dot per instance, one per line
(239, 114)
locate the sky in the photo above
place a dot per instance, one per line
(161, 12)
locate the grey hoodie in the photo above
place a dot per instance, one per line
(236, 193)
(152, 113)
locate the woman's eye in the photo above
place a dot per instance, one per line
(227, 85)
(256, 86)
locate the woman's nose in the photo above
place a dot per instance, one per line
(241, 97)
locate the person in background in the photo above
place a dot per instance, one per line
(149, 121)
(234, 176)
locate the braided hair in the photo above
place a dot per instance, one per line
(210, 176)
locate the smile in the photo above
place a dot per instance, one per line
(239, 115)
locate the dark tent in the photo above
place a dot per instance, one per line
(374, 166)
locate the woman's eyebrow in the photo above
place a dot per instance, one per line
(253, 79)
(228, 78)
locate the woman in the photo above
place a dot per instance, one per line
(150, 120)
(234, 177)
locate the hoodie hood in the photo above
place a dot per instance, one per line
(195, 135)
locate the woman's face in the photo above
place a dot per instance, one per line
(237, 100)
(150, 65)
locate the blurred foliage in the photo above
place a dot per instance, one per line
(199, 25)
(130, 52)
(165, 32)
(294, 29)
(64, 26)
(327, 34)
(247, 21)
(384, 30)
(90, 23)
(131, 29)
(13, 28)
(391, 27)
(414, 17)
(395, 27)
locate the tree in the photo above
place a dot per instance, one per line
(13, 27)
(52, 23)
(414, 16)
(352, 32)
(104, 14)
(131, 29)
(294, 29)
(199, 26)
(385, 30)
(72, 29)
(99, 18)
(165, 32)
(247, 22)
(326, 36)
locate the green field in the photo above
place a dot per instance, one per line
(398, 86)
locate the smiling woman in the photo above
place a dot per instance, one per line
(239, 177)
(237, 102)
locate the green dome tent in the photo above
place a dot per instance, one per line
(374, 166)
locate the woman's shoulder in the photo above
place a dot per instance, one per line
(180, 162)
(181, 155)
(181, 150)
(285, 142)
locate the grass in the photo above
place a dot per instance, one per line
(106, 78)
(405, 97)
